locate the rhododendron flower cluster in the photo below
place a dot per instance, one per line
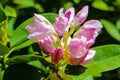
(60, 40)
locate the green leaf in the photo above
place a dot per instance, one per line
(20, 34)
(9, 11)
(111, 29)
(83, 77)
(2, 14)
(24, 3)
(107, 58)
(38, 64)
(50, 16)
(99, 4)
(10, 29)
(31, 3)
(118, 24)
(24, 44)
(74, 69)
(3, 49)
(23, 59)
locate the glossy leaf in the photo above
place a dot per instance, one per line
(9, 11)
(38, 64)
(83, 77)
(111, 29)
(107, 58)
(22, 59)
(100, 4)
(3, 49)
(24, 44)
(2, 14)
(118, 24)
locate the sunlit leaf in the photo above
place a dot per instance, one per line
(24, 44)
(9, 11)
(24, 3)
(22, 59)
(3, 49)
(118, 24)
(107, 58)
(100, 4)
(111, 29)
(38, 64)
(83, 77)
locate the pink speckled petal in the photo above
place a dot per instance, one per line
(89, 56)
(95, 23)
(69, 14)
(80, 16)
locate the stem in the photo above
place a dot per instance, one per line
(66, 38)
(2, 62)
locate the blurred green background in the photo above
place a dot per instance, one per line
(107, 11)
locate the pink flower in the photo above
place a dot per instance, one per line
(40, 28)
(79, 48)
(63, 21)
(57, 55)
(76, 48)
(79, 54)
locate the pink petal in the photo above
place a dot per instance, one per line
(80, 16)
(61, 25)
(90, 55)
(77, 50)
(57, 55)
(40, 28)
(95, 23)
(61, 12)
(89, 33)
(69, 14)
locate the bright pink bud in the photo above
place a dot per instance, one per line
(57, 55)
(63, 21)
(80, 16)
(89, 56)
(46, 45)
(77, 50)
(40, 28)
